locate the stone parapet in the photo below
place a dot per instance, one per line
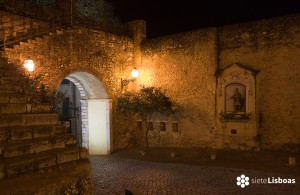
(9, 120)
(67, 178)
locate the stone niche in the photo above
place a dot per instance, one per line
(235, 104)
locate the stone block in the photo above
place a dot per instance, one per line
(4, 134)
(4, 98)
(45, 131)
(70, 140)
(40, 108)
(58, 142)
(67, 155)
(21, 134)
(40, 146)
(47, 162)
(60, 129)
(17, 98)
(56, 181)
(32, 163)
(16, 150)
(11, 80)
(9, 120)
(2, 171)
(11, 73)
(13, 108)
(6, 89)
(84, 153)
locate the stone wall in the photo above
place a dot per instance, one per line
(104, 55)
(107, 56)
(272, 47)
(184, 65)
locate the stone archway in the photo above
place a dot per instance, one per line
(95, 112)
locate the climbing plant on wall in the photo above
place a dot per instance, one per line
(144, 104)
(41, 93)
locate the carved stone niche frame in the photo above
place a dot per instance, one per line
(236, 92)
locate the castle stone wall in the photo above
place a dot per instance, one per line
(184, 65)
(272, 47)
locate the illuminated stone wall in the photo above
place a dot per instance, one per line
(272, 47)
(184, 65)
(107, 56)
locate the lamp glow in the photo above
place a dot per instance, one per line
(29, 65)
(134, 73)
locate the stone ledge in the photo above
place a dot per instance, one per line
(8, 120)
(26, 147)
(18, 133)
(68, 177)
(15, 166)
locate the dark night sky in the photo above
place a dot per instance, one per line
(171, 16)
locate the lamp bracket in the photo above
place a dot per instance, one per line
(125, 82)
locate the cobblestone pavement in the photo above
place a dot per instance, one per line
(113, 176)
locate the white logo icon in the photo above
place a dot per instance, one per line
(242, 181)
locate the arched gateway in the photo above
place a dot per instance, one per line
(95, 113)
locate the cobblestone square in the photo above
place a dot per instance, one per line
(114, 175)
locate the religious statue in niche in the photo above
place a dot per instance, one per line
(235, 98)
(238, 100)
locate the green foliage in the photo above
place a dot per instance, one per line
(33, 83)
(145, 103)
(54, 98)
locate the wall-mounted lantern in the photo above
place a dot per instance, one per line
(134, 75)
(29, 65)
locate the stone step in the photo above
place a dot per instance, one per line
(59, 32)
(46, 36)
(20, 48)
(8, 90)
(12, 56)
(22, 43)
(8, 51)
(7, 66)
(14, 98)
(12, 80)
(3, 61)
(37, 162)
(25, 120)
(16, 166)
(14, 108)
(15, 89)
(31, 41)
(26, 147)
(67, 178)
(22, 108)
(8, 72)
(40, 108)
(16, 46)
(38, 39)
(10, 134)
